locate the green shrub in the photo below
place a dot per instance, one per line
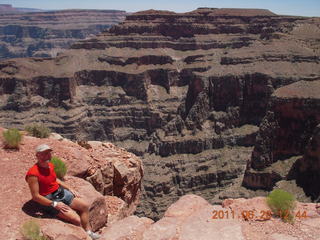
(38, 130)
(60, 167)
(12, 138)
(31, 231)
(282, 204)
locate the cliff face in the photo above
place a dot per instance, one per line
(8, 8)
(305, 171)
(288, 135)
(187, 98)
(45, 34)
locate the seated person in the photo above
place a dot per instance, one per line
(49, 191)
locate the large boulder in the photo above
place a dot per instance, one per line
(129, 228)
(191, 218)
(116, 172)
(58, 230)
(117, 209)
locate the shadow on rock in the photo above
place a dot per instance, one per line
(35, 209)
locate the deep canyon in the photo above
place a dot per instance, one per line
(217, 102)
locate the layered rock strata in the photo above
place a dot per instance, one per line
(186, 92)
(45, 34)
(287, 142)
(306, 169)
(8, 8)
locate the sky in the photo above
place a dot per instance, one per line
(286, 7)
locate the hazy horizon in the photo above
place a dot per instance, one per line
(310, 8)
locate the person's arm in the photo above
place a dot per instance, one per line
(62, 184)
(34, 189)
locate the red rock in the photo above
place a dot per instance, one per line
(249, 209)
(165, 228)
(227, 202)
(58, 230)
(185, 206)
(277, 236)
(117, 209)
(312, 222)
(130, 228)
(116, 175)
(200, 225)
(78, 162)
(191, 218)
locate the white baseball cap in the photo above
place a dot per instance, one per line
(43, 147)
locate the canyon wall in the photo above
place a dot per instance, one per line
(47, 33)
(186, 92)
(287, 144)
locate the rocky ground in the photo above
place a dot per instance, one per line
(186, 92)
(95, 172)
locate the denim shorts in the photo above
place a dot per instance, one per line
(61, 195)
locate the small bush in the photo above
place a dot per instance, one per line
(38, 130)
(282, 204)
(31, 231)
(60, 167)
(12, 138)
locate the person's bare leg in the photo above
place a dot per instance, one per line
(70, 216)
(83, 209)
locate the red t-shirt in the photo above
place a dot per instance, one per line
(46, 177)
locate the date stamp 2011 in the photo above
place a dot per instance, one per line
(253, 214)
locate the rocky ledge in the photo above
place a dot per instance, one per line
(186, 92)
(107, 177)
(192, 217)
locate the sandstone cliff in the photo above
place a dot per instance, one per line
(186, 92)
(45, 34)
(287, 146)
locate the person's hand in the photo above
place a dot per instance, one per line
(62, 207)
